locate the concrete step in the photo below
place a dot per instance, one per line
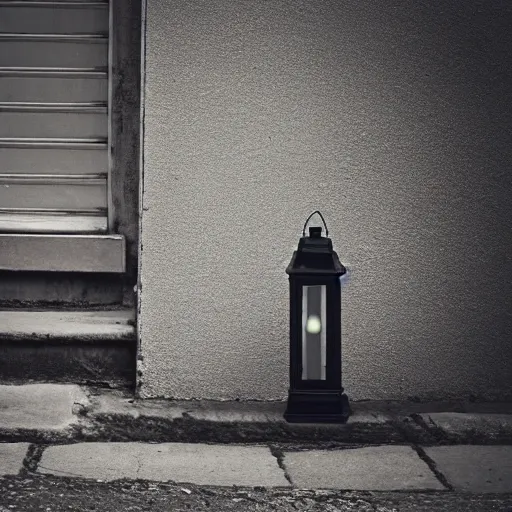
(58, 413)
(86, 346)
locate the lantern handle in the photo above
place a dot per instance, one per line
(323, 220)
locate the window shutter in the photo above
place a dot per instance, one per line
(54, 132)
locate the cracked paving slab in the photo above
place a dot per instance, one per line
(475, 468)
(120, 402)
(40, 406)
(459, 423)
(200, 464)
(376, 468)
(11, 457)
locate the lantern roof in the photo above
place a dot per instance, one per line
(314, 256)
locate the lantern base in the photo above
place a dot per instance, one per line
(322, 406)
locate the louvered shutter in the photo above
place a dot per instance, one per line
(54, 116)
(54, 122)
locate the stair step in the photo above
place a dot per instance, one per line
(78, 346)
(76, 325)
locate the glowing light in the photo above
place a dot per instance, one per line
(313, 324)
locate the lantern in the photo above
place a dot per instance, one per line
(315, 394)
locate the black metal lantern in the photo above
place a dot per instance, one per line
(315, 394)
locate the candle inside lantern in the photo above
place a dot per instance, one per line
(314, 335)
(313, 324)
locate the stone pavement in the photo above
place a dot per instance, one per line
(68, 431)
(466, 468)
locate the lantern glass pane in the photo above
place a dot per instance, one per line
(313, 332)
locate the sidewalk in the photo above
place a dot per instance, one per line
(68, 431)
(466, 468)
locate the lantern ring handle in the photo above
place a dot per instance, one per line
(323, 220)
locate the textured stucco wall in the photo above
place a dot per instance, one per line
(393, 120)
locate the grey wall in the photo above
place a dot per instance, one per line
(393, 119)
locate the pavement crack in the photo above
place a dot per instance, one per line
(139, 465)
(432, 465)
(435, 432)
(58, 472)
(279, 455)
(32, 458)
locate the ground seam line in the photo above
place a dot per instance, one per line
(32, 458)
(279, 455)
(432, 465)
